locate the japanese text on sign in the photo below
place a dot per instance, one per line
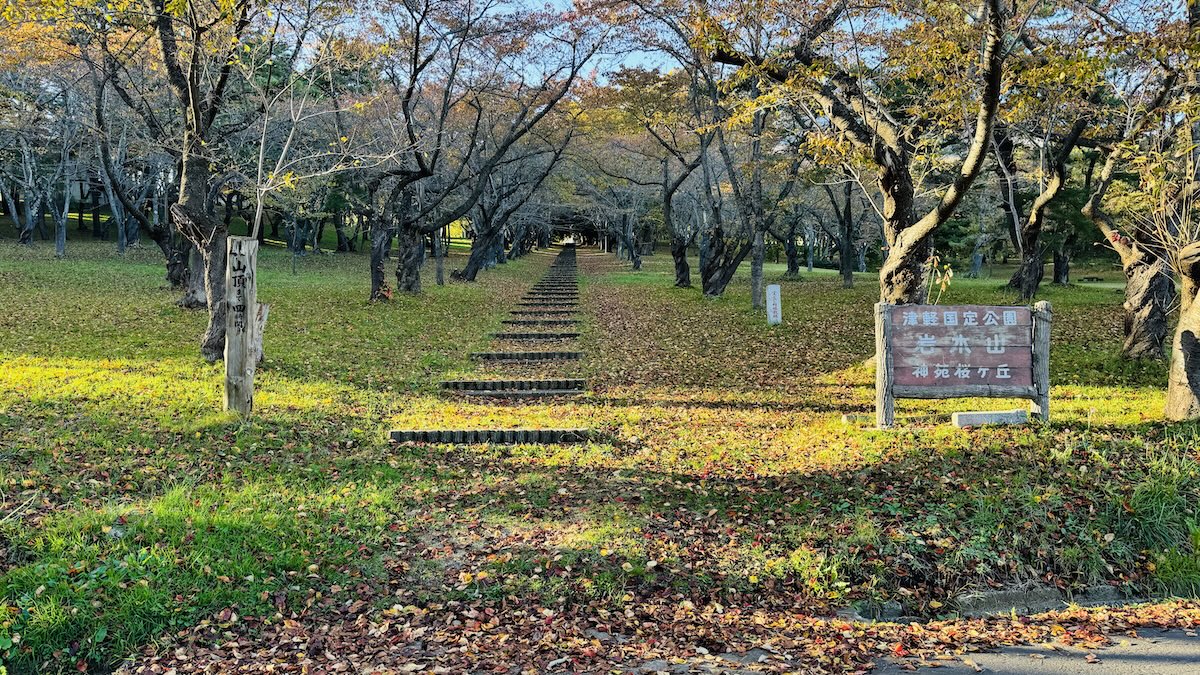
(935, 346)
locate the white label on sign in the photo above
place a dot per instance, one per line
(774, 306)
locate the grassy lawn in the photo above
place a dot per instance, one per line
(725, 504)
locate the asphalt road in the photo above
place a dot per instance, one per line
(1152, 653)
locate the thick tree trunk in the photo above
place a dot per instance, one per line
(381, 241)
(1062, 268)
(719, 264)
(902, 276)
(499, 254)
(410, 254)
(194, 220)
(1149, 295)
(758, 296)
(683, 272)
(792, 252)
(194, 294)
(1183, 384)
(33, 209)
(481, 250)
(1028, 275)
(60, 238)
(176, 253)
(212, 345)
(976, 270)
(846, 262)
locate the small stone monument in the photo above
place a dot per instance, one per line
(774, 306)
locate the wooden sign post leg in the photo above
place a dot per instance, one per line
(241, 322)
(1042, 315)
(885, 403)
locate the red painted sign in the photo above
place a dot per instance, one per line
(964, 345)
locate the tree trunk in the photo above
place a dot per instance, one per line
(683, 272)
(719, 264)
(194, 295)
(846, 261)
(758, 297)
(339, 226)
(97, 228)
(60, 238)
(792, 252)
(809, 247)
(176, 253)
(902, 275)
(627, 242)
(1028, 276)
(1062, 267)
(193, 220)
(439, 256)
(212, 345)
(500, 255)
(410, 251)
(81, 224)
(1149, 294)
(976, 270)
(481, 250)
(33, 211)
(1183, 383)
(381, 241)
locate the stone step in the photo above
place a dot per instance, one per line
(548, 303)
(535, 336)
(494, 436)
(560, 384)
(540, 322)
(548, 312)
(526, 356)
(523, 394)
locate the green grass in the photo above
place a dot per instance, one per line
(132, 509)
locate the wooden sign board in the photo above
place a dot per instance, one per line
(961, 351)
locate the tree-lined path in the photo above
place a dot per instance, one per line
(720, 503)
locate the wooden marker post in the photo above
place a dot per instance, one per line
(1042, 317)
(242, 346)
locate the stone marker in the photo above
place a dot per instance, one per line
(774, 306)
(980, 418)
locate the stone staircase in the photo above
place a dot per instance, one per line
(552, 304)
